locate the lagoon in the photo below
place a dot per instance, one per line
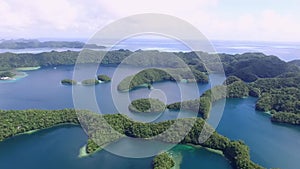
(271, 145)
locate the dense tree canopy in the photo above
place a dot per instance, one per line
(148, 105)
(248, 66)
(280, 96)
(23, 44)
(163, 161)
(7, 74)
(237, 89)
(68, 82)
(104, 78)
(104, 129)
(148, 76)
(89, 82)
(19, 121)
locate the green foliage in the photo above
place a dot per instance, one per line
(91, 146)
(14, 122)
(148, 105)
(284, 117)
(282, 81)
(148, 76)
(104, 78)
(254, 92)
(89, 82)
(295, 62)
(251, 66)
(104, 129)
(22, 44)
(163, 161)
(231, 79)
(247, 66)
(280, 94)
(202, 106)
(237, 89)
(68, 82)
(7, 74)
(189, 129)
(280, 100)
(238, 153)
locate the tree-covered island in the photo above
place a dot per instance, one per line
(68, 82)
(20, 121)
(104, 78)
(148, 105)
(90, 82)
(146, 77)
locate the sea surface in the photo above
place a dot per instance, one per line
(271, 145)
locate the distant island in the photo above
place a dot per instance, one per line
(33, 43)
(89, 82)
(148, 105)
(248, 66)
(103, 78)
(68, 82)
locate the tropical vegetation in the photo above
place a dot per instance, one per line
(148, 105)
(104, 78)
(68, 82)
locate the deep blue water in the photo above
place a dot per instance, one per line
(271, 145)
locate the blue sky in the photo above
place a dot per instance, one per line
(253, 20)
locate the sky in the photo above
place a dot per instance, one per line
(251, 20)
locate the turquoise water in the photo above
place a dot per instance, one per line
(271, 145)
(58, 147)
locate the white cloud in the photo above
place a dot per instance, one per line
(79, 18)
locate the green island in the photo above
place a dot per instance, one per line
(16, 122)
(148, 105)
(103, 78)
(280, 96)
(33, 43)
(90, 82)
(248, 66)
(6, 75)
(68, 82)
(163, 161)
(146, 77)
(236, 89)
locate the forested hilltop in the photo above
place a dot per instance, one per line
(248, 66)
(295, 62)
(33, 43)
(19, 121)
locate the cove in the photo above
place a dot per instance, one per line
(58, 147)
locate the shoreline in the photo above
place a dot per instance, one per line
(38, 130)
(82, 152)
(28, 68)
